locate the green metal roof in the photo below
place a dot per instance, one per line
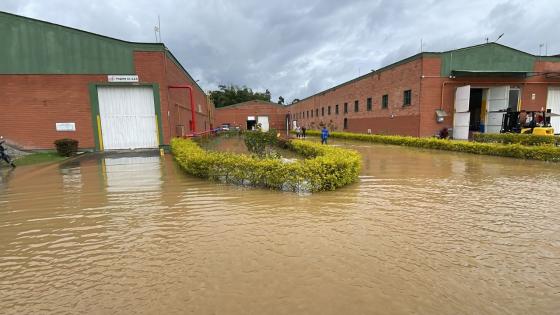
(31, 46)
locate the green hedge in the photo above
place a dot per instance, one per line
(325, 168)
(542, 153)
(66, 147)
(510, 138)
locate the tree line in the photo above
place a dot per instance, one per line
(232, 94)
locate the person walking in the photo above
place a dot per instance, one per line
(298, 132)
(324, 135)
(303, 129)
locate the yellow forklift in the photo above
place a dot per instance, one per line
(528, 122)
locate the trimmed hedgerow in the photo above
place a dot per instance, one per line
(542, 153)
(325, 168)
(511, 138)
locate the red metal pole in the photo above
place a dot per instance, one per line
(188, 87)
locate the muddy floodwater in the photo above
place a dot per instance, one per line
(422, 232)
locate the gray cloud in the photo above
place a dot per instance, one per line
(298, 48)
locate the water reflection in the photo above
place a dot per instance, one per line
(132, 174)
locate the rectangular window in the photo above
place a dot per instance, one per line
(328, 110)
(345, 123)
(356, 106)
(407, 97)
(385, 101)
(346, 108)
(322, 111)
(316, 112)
(336, 109)
(369, 105)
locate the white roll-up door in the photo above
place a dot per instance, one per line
(553, 103)
(128, 119)
(462, 116)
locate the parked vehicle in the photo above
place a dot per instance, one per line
(528, 122)
(4, 155)
(225, 127)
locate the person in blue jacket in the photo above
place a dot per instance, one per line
(324, 135)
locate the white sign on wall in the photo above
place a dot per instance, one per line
(69, 126)
(122, 78)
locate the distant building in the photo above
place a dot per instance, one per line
(468, 88)
(248, 115)
(59, 82)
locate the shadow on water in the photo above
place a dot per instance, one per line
(421, 232)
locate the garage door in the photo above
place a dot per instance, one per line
(128, 119)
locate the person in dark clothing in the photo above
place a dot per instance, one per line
(324, 135)
(303, 132)
(4, 156)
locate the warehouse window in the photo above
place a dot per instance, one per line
(322, 111)
(385, 101)
(346, 108)
(316, 112)
(369, 106)
(336, 109)
(407, 97)
(345, 123)
(356, 106)
(328, 110)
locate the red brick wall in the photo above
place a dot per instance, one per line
(393, 82)
(236, 115)
(399, 125)
(175, 103)
(30, 105)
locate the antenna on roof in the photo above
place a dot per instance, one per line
(157, 30)
(499, 37)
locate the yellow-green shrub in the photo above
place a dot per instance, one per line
(511, 138)
(325, 168)
(543, 152)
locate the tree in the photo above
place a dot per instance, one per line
(280, 100)
(233, 94)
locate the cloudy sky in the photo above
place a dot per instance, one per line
(298, 48)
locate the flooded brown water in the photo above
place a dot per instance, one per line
(422, 232)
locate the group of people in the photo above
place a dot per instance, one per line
(300, 133)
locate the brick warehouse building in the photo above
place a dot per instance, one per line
(248, 114)
(469, 88)
(59, 82)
